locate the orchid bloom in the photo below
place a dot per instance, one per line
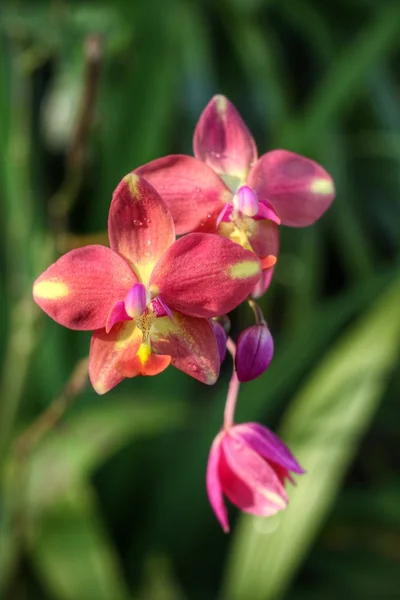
(227, 189)
(148, 298)
(249, 464)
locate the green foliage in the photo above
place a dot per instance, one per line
(110, 503)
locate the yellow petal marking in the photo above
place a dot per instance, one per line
(322, 186)
(144, 353)
(50, 290)
(246, 268)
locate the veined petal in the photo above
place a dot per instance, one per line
(191, 343)
(299, 188)
(80, 288)
(191, 190)
(248, 480)
(205, 275)
(140, 226)
(264, 238)
(213, 484)
(107, 350)
(267, 445)
(222, 140)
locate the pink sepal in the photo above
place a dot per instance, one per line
(213, 483)
(222, 140)
(117, 314)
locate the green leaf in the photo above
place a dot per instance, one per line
(72, 553)
(90, 436)
(322, 427)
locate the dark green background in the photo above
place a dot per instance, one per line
(111, 503)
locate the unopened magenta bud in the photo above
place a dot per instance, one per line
(254, 352)
(136, 300)
(246, 201)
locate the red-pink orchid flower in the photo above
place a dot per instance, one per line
(227, 189)
(249, 464)
(148, 297)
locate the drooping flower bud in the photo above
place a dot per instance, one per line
(136, 300)
(246, 201)
(249, 465)
(254, 352)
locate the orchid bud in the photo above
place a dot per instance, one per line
(246, 201)
(221, 339)
(254, 352)
(249, 465)
(136, 300)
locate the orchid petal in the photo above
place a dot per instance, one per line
(264, 238)
(300, 189)
(266, 210)
(263, 284)
(191, 343)
(213, 484)
(248, 480)
(191, 189)
(109, 349)
(145, 362)
(265, 443)
(140, 226)
(80, 288)
(116, 315)
(205, 275)
(222, 140)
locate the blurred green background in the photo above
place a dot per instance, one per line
(110, 503)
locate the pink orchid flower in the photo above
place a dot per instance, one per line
(227, 189)
(249, 464)
(148, 298)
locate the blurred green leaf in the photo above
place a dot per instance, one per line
(72, 553)
(341, 83)
(88, 438)
(323, 427)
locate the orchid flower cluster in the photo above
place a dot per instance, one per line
(152, 300)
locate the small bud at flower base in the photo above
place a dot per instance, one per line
(221, 339)
(136, 300)
(254, 352)
(246, 201)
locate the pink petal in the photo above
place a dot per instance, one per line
(264, 238)
(299, 188)
(213, 484)
(140, 226)
(248, 481)
(191, 190)
(267, 444)
(205, 275)
(266, 210)
(191, 343)
(80, 288)
(116, 315)
(107, 350)
(263, 284)
(222, 140)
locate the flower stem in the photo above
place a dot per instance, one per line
(259, 317)
(233, 391)
(52, 415)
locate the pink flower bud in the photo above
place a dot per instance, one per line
(249, 464)
(254, 352)
(246, 201)
(136, 300)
